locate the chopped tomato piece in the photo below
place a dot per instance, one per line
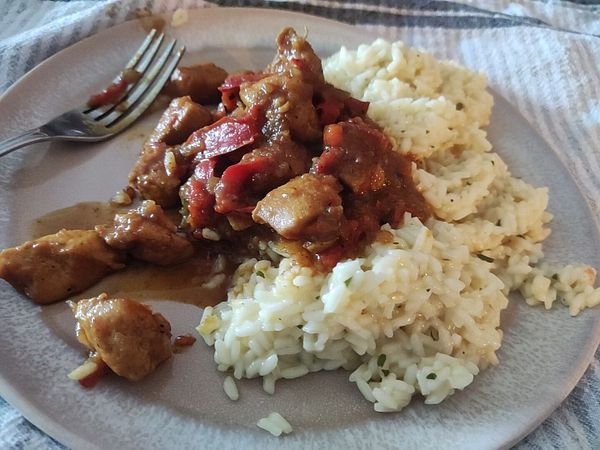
(333, 135)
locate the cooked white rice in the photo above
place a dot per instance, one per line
(230, 388)
(275, 424)
(422, 314)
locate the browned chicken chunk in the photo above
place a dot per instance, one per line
(201, 82)
(288, 106)
(356, 153)
(56, 266)
(125, 334)
(147, 234)
(296, 56)
(308, 207)
(180, 119)
(158, 173)
(160, 169)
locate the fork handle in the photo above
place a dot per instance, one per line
(21, 140)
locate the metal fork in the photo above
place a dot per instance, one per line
(93, 124)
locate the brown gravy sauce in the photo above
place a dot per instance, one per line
(197, 281)
(203, 280)
(81, 216)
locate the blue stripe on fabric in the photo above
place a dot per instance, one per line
(353, 16)
(379, 18)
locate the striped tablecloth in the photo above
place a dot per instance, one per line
(542, 56)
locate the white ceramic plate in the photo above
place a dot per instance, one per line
(182, 405)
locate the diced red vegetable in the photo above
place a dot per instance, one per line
(333, 135)
(233, 185)
(225, 135)
(109, 96)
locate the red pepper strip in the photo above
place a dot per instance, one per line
(92, 379)
(233, 185)
(225, 135)
(200, 201)
(205, 169)
(200, 204)
(231, 86)
(109, 96)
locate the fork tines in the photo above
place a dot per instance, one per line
(155, 63)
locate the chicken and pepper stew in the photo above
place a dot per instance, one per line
(285, 158)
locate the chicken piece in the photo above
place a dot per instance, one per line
(125, 334)
(159, 172)
(147, 234)
(201, 82)
(288, 106)
(56, 266)
(295, 56)
(308, 207)
(161, 169)
(179, 120)
(356, 153)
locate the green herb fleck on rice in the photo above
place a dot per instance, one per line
(485, 258)
(260, 274)
(381, 359)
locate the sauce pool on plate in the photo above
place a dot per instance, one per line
(201, 281)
